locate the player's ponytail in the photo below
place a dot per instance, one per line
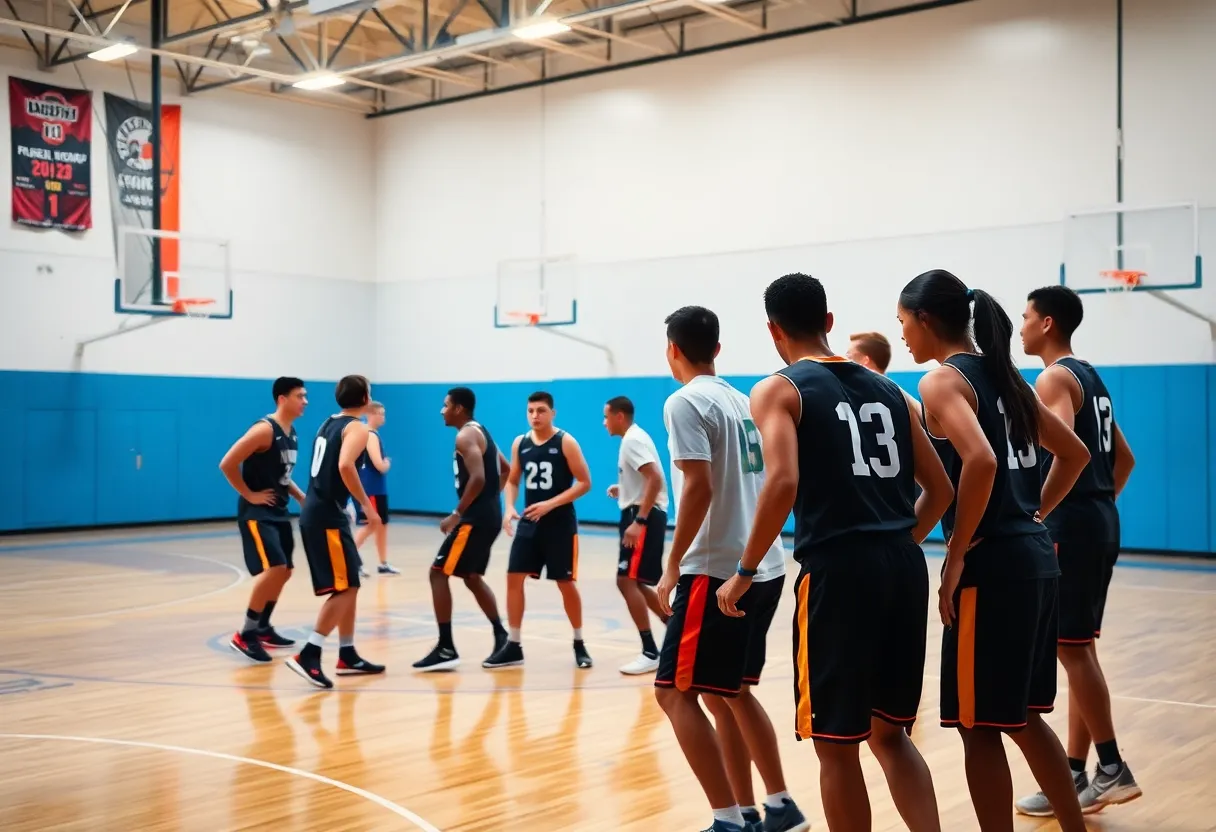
(993, 335)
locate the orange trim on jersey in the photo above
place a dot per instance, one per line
(574, 563)
(831, 359)
(694, 614)
(635, 562)
(257, 541)
(458, 544)
(802, 664)
(337, 559)
(966, 658)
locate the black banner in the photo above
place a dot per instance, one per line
(52, 133)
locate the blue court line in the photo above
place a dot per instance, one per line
(1164, 564)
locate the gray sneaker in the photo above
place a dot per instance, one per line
(1037, 805)
(1109, 789)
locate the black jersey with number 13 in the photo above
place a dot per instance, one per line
(545, 472)
(325, 502)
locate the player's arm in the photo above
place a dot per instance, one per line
(257, 439)
(1125, 461)
(936, 491)
(637, 457)
(1071, 457)
(474, 462)
(375, 454)
(504, 471)
(944, 394)
(294, 491)
(776, 407)
(1059, 390)
(354, 443)
(578, 469)
(513, 476)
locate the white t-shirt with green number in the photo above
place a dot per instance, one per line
(709, 420)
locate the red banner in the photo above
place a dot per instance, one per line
(52, 135)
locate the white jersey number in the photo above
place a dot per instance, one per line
(318, 454)
(886, 438)
(1105, 416)
(538, 475)
(1024, 459)
(456, 471)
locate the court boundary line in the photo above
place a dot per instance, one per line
(372, 797)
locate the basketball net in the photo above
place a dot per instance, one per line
(1122, 280)
(524, 318)
(196, 308)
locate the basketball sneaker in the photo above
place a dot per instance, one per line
(726, 826)
(351, 663)
(642, 664)
(1109, 789)
(582, 659)
(309, 667)
(388, 569)
(511, 654)
(441, 658)
(1038, 806)
(250, 648)
(752, 821)
(788, 818)
(271, 638)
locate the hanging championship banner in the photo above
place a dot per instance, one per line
(129, 142)
(52, 134)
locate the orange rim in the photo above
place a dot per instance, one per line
(182, 305)
(1124, 276)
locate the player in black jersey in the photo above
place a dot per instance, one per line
(332, 556)
(258, 467)
(554, 473)
(843, 450)
(998, 597)
(1085, 528)
(481, 472)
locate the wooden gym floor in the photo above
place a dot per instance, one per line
(121, 706)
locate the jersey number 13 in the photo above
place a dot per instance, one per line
(870, 412)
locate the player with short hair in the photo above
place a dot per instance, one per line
(551, 466)
(333, 559)
(641, 494)
(998, 597)
(258, 466)
(373, 466)
(481, 472)
(843, 450)
(717, 471)
(872, 350)
(1085, 528)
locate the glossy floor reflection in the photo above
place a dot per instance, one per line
(122, 708)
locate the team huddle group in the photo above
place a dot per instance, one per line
(1022, 479)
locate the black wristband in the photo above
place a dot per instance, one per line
(641, 519)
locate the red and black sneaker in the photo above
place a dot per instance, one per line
(352, 664)
(310, 668)
(250, 647)
(271, 638)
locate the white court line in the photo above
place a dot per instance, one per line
(400, 811)
(240, 579)
(1063, 689)
(1165, 589)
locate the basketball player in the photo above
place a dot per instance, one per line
(332, 556)
(258, 467)
(641, 494)
(843, 450)
(554, 473)
(373, 465)
(1085, 528)
(872, 350)
(717, 470)
(998, 597)
(481, 471)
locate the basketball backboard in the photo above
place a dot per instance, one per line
(536, 292)
(1162, 243)
(191, 268)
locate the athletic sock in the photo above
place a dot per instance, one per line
(445, 635)
(578, 633)
(731, 815)
(649, 649)
(264, 620)
(513, 634)
(1108, 756)
(251, 621)
(1077, 766)
(777, 801)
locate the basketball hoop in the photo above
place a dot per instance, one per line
(524, 318)
(1122, 280)
(193, 307)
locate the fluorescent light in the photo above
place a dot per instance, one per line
(114, 51)
(320, 82)
(544, 29)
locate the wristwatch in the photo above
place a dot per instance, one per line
(744, 571)
(641, 519)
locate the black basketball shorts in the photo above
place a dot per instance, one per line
(550, 545)
(860, 615)
(333, 558)
(380, 501)
(643, 562)
(1085, 573)
(466, 549)
(266, 543)
(709, 652)
(999, 655)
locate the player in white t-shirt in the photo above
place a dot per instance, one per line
(717, 472)
(641, 493)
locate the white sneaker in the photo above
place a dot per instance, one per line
(642, 664)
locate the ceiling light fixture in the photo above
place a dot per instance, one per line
(542, 29)
(114, 52)
(320, 82)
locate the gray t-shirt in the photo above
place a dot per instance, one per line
(709, 420)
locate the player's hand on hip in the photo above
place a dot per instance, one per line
(263, 498)
(509, 517)
(730, 593)
(538, 510)
(665, 587)
(614, 491)
(450, 522)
